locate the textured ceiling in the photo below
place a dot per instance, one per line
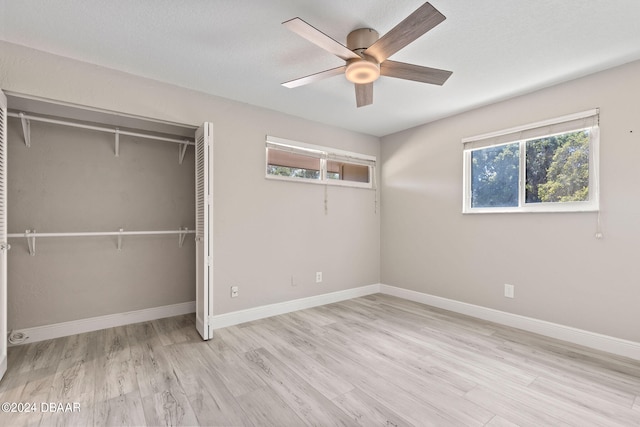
(237, 49)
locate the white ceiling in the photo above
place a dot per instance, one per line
(237, 49)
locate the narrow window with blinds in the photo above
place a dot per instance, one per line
(295, 161)
(549, 166)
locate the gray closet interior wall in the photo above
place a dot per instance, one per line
(70, 181)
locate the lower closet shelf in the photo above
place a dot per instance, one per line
(31, 235)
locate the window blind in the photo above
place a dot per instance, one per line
(350, 159)
(572, 122)
(296, 150)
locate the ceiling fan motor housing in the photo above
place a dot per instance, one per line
(360, 39)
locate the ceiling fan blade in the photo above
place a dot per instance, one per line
(314, 77)
(413, 26)
(416, 73)
(319, 38)
(364, 94)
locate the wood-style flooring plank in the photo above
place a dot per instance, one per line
(169, 407)
(315, 317)
(375, 381)
(367, 411)
(164, 400)
(43, 354)
(265, 408)
(432, 393)
(392, 349)
(18, 387)
(549, 355)
(323, 379)
(209, 398)
(498, 421)
(235, 339)
(443, 347)
(511, 408)
(299, 395)
(590, 398)
(122, 410)
(115, 374)
(179, 329)
(74, 382)
(153, 373)
(232, 370)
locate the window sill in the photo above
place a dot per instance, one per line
(336, 183)
(540, 208)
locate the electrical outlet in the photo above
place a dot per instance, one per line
(509, 291)
(234, 291)
(318, 276)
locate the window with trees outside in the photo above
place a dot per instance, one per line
(549, 166)
(296, 161)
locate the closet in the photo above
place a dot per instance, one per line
(105, 213)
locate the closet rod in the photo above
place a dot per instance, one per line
(31, 235)
(100, 233)
(98, 128)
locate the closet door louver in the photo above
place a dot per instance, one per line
(204, 229)
(4, 246)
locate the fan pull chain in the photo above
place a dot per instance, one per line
(326, 200)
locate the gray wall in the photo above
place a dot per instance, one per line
(265, 231)
(560, 271)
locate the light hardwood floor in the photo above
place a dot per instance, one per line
(376, 360)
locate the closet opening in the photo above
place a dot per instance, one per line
(111, 200)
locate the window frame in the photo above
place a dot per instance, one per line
(325, 154)
(571, 123)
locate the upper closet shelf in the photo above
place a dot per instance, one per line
(29, 108)
(26, 130)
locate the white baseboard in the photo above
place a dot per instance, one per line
(256, 313)
(57, 330)
(589, 339)
(593, 340)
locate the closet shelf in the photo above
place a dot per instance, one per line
(26, 131)
(31, 235)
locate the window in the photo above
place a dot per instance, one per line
(347, 171)
(295, 161)
(281, 162)
(548, 166)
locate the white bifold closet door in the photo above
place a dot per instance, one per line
(204, 229)
(4, 246)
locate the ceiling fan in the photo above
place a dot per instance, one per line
(366, 54)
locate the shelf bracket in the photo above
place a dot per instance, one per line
(120, 240)
(26, 130)
(182, 151)
(117, 147)
(31, 241)
(182, 235)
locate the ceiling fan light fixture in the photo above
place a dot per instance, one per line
(362, 71)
